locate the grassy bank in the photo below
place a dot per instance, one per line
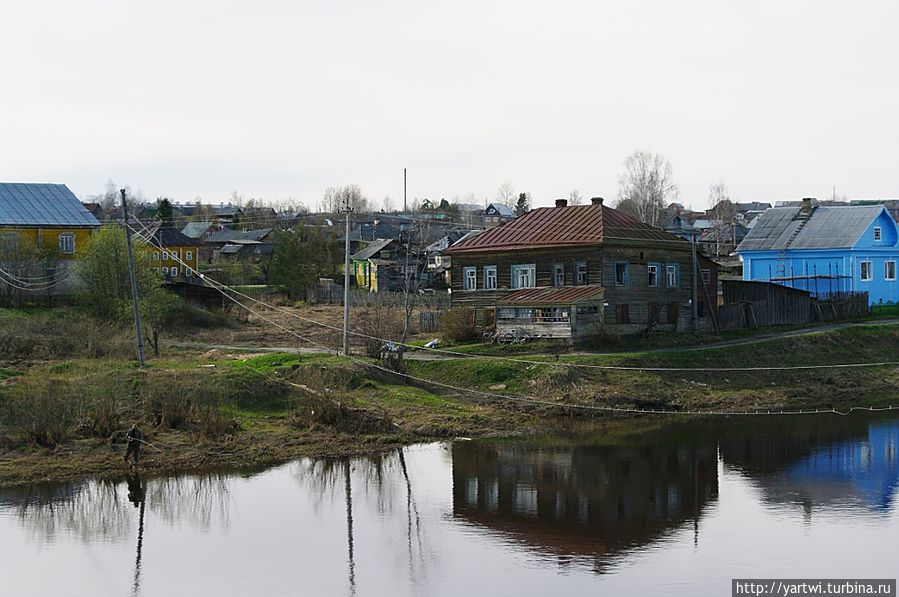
(64, 417)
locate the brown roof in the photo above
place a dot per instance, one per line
(564, 226)
(550, 295)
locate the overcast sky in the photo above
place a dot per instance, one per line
(281, 99)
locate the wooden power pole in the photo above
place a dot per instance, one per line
(134, 297)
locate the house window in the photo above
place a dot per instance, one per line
(866, 271)
(165, 255)
(490, 277)
(155, 255)
(174, 254)
(706, 275)
(173, 271)
(505, 313)
(558, 274)
(189, 256)
(878, 234)
(621, 275)
(889, 270)
(671, 275)
(67, 243)
(165, 271)
(470, 278)
(524, 276)
(580, 273)
(652, 271)
(525, 313)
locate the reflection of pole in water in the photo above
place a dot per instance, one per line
(349, 526)
(136, 497)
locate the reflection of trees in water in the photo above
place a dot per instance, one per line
(384, 482)
(102, 510)
(198, 500)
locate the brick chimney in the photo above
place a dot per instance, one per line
(561, 202)
(806, 207)
(596, 200)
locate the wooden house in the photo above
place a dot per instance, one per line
(565, 313)
(645, 272)
(169, 249)
(45, 215)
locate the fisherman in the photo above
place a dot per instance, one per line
(135, 438)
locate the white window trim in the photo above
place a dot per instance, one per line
(886, 268)
(671, 270)
(530, 268)
(558, 268)
(577, 271)
(490, 269)
(473, 277)
(165, 270)
(878, 234)
(173, 270)
(155, 255)
(652, 267)
(64, 249)
(188, 256)
(861, 271)
(165, 255)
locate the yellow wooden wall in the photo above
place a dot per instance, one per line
(49, 237)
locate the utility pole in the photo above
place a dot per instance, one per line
(695, 293)
(346, 284)
(134, 297)
(404, 191)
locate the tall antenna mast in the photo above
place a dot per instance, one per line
(404, 190)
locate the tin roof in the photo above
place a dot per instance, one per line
(551, 295)
(372, 249)
(828, 227)
(564, 226)
(169, 237)
(38, 204)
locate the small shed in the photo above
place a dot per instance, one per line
(569, 313)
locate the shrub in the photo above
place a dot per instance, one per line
(458, 324)
(382, 322)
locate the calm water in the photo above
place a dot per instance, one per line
(676, 511)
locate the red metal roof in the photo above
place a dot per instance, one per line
(563, 226)
(551, 295)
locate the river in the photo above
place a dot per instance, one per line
(675, 509)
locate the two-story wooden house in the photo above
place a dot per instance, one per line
(174, 254)
(644, 272)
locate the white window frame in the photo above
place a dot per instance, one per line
(469, 278)
(878, 234)
(165, 255)
(652, 275)
(524, 275)
(67, 239)
(558, 274)
(490, 278)
(580, 267)
(165, 270)
(671, 275)
(173, 271)
(862, 267)
(886, 270)
(188, 256)
(155, 255)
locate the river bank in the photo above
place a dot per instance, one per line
(65, 419)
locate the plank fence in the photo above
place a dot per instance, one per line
(429, 321)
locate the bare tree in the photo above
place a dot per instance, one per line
(575, 197)
(506, 194)
(722, 212)
(387, 204)
(336, 199)
(646, 186)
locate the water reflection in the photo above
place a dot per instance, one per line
(838, 462)
(586, 500)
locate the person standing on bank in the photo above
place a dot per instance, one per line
(135, 438)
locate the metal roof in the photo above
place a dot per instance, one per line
(372, 249)
(552, 295)
(501, 210)
(564, 226)
(38, 204)
(169, 237)
(828, 227)
(196, 229)
(227, 235)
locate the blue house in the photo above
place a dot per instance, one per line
(825, 250)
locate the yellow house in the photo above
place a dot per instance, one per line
(174, 254)
(48, 216)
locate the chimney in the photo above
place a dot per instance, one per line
(561, 202)
(596, 200)
(806, 207)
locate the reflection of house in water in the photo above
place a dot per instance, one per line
(593, 501)
(851, 461)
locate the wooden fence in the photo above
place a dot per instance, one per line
(751, 304)
(429, 321)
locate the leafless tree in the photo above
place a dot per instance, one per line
(336, 199)
(387, 204)
(506, 194)
(722, 212)
(646, 186)
(575, 197)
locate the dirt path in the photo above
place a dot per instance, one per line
(424, 355)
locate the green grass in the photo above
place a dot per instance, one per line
(885, 310)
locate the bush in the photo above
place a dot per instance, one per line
(458, 324)
(53, 337)
(382, 322)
